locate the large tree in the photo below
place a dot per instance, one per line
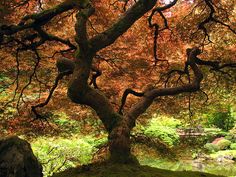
(206, 22)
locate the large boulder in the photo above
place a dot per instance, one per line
(17, 159)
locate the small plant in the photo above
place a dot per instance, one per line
(64, 122)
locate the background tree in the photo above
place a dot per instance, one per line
(96, 33)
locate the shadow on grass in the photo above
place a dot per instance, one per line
(106, 169)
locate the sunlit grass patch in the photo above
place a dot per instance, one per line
(58, 154)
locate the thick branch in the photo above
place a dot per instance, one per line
(81, 27)
(122, 25)
(46, 15)
(49, 37)
(39, 19)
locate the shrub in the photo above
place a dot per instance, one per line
(233, 146)
(231, 137)
(211, 147)
(223, 144)
(225, 153)
(168, 135)
(232, 133)
(222, 119)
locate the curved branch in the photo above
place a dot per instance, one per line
(155, 26)
(109, 36)
(149, 96)
(40, 105)
(125, 95)
(65, 67)
(95, 75)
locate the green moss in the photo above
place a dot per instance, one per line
(125, 170)
(223, 144)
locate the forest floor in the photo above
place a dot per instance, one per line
(107, 169)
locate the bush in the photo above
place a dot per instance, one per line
(231, 137)
(223, 144)
(233, 146)
(167, 134)
(232, 133)
(211, 147)
(222, 119)
(225, 153)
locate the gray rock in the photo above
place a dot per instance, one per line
(17, 159)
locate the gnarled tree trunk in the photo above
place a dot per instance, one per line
(119, 126)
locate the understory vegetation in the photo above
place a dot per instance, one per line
(162, 141)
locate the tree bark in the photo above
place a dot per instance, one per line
(120, 143)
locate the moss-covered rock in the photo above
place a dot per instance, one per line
(125, 170)
(223, 144)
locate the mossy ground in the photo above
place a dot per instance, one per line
(107, 169)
